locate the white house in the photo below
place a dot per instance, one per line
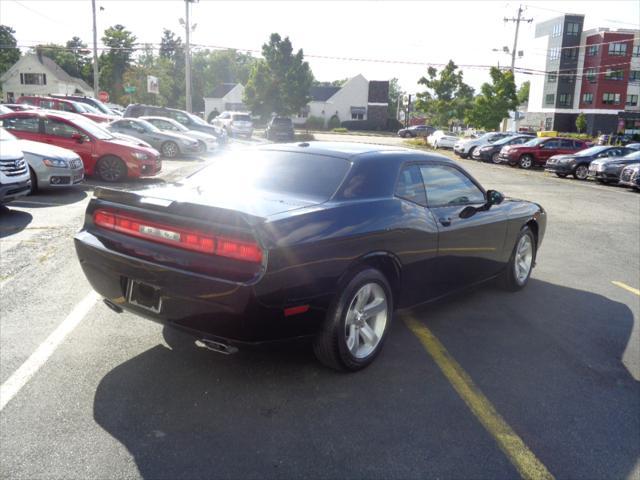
(36, 74)
(357, 99)
(227, 96)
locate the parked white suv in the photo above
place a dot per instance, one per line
(15, 180)
(464, 148)
(236, 124)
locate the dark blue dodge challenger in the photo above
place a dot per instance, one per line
(318, 240)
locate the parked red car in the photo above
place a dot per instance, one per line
(112, 159)
(50, 103)
(537, 151)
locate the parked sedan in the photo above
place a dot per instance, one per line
(537, 151)
(169, 144)
(633, 146)
(318, 240)
(416, 131)
(630, 176)
(206, 142)
(577, 164)
(441, 139)
(608, 170)
(491, 151)
(465, 148)
(113, 159)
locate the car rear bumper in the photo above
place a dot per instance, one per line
(212, 307)
(12, 191)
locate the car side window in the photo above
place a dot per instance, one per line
(22, 124)
(410, 185)
(551, 144)
(58, 128)
(180, 117)
(449, 186)
(566, 144)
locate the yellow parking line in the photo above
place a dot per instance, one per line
(521, 457)
(626, 287)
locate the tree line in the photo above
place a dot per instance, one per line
(279, 82)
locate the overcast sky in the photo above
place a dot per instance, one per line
(415, 31)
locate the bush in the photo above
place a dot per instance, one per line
(579, 136)
(314, 123)
(303, 137)
(360, 125)
(334, 122)
(339, 130)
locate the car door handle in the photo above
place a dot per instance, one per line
(445, 221)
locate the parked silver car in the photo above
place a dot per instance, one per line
(236, 124)
(51, 166)
(169, 144)
(206, 142)
(465, 147)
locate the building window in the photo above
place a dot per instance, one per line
(634, 76)
(614, 74)
(573, 29)
(33, 78)
(548, 123)
(554, 54)
(592, 50)
(557, 30)
(550, 99)
(636, 50)
(570, 53)
(568, 76)
(552, 78)
(632, 101)
(587, 98)
(611, 98)
(618, 49)
(590, 74)
(564, 99)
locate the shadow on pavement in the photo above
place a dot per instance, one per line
(52, 198)
(548, 358)
(13, 221)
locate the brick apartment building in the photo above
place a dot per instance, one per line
(596, 72)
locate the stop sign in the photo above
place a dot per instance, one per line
(103, 96)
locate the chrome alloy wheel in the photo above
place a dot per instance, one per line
(523, 260)
(366, 320)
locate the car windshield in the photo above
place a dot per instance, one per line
(535, 141)
(242, 117)
(197, 119)
(89, 108)
(98, 105)
(632, 156)
(92, 128)
(147, 125)
(175, 124)
(504, 140)
(282, 121)
(591, 151)
(313, 177)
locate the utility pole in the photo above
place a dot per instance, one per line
(187, 57)
(515, 39)
(96, 82)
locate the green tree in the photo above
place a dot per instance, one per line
(9, 53)
(395, 93)
(581, 122)
(115, 61)
(447, 97)
(172, 55)
(495, 100)
(523, 92)
(280, 81)
(73, 57)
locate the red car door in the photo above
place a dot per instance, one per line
(546, 150)
(567, 146)
(64, 134)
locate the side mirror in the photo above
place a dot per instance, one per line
(77, 137)
(494, 197)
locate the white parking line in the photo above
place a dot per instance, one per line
(28, 369)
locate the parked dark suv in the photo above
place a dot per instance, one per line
(189, 120)
(280, 129)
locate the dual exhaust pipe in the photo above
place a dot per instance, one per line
(213, 345)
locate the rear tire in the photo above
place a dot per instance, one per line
(202, 148)
(518, 271)
(495, 158)
(34, 182)
(581, 172)
(170, 149)
(111, 169)
(349, 339)
(470, 154)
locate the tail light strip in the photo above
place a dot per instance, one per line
(180, 237)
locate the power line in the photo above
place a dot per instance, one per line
(637, 24)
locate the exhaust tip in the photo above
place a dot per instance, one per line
(112, 305)
(215, 346)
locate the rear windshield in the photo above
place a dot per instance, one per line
(313, 177)
(282, 121)
(241, 117)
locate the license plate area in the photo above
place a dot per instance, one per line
(144, 296)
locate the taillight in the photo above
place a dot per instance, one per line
(180, 237)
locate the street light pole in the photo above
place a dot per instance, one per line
(96, 81)
(187, 58)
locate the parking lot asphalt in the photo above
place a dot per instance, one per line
(121, 397)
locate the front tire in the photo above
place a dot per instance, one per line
(581, 172)
(111, 169)
(526, 162)
(516, 276)
(470, 154)
(170, 149)
(34, 182)
(356, 324)
(495, 158)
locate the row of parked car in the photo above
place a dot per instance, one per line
(561, 156)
